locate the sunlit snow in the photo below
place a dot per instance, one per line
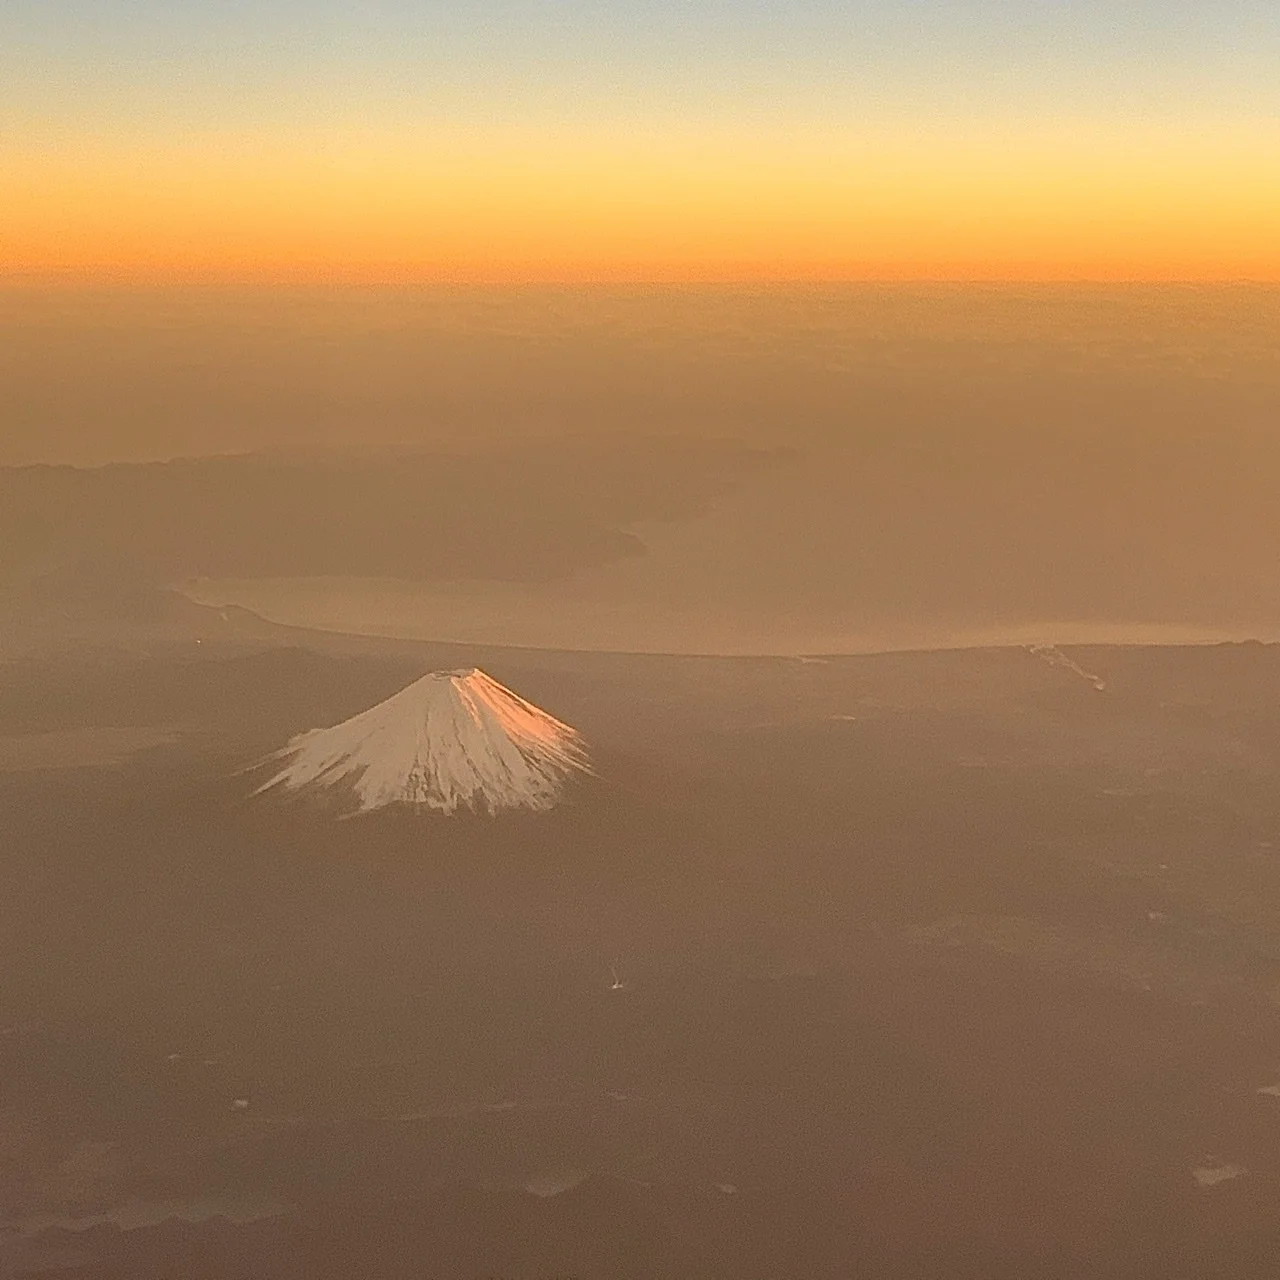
(454, 739)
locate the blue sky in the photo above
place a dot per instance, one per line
(1064, 57)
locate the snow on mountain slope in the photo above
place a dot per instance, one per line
(453, 739)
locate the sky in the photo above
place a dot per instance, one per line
(406, 140)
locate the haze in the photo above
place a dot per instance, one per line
(709, 469)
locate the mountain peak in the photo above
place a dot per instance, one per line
(451, 740)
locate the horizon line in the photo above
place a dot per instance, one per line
(73, 277)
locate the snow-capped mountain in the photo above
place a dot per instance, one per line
(453, 739)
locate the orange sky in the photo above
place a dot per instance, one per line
(1032, 208)
(1076, 146)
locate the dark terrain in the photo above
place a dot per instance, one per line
(932, 965)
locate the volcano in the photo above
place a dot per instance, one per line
(451, 740)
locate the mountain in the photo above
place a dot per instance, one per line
(58, 612)
(532, 512)
(451, 740)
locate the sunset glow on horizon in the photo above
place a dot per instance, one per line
(481, 142)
